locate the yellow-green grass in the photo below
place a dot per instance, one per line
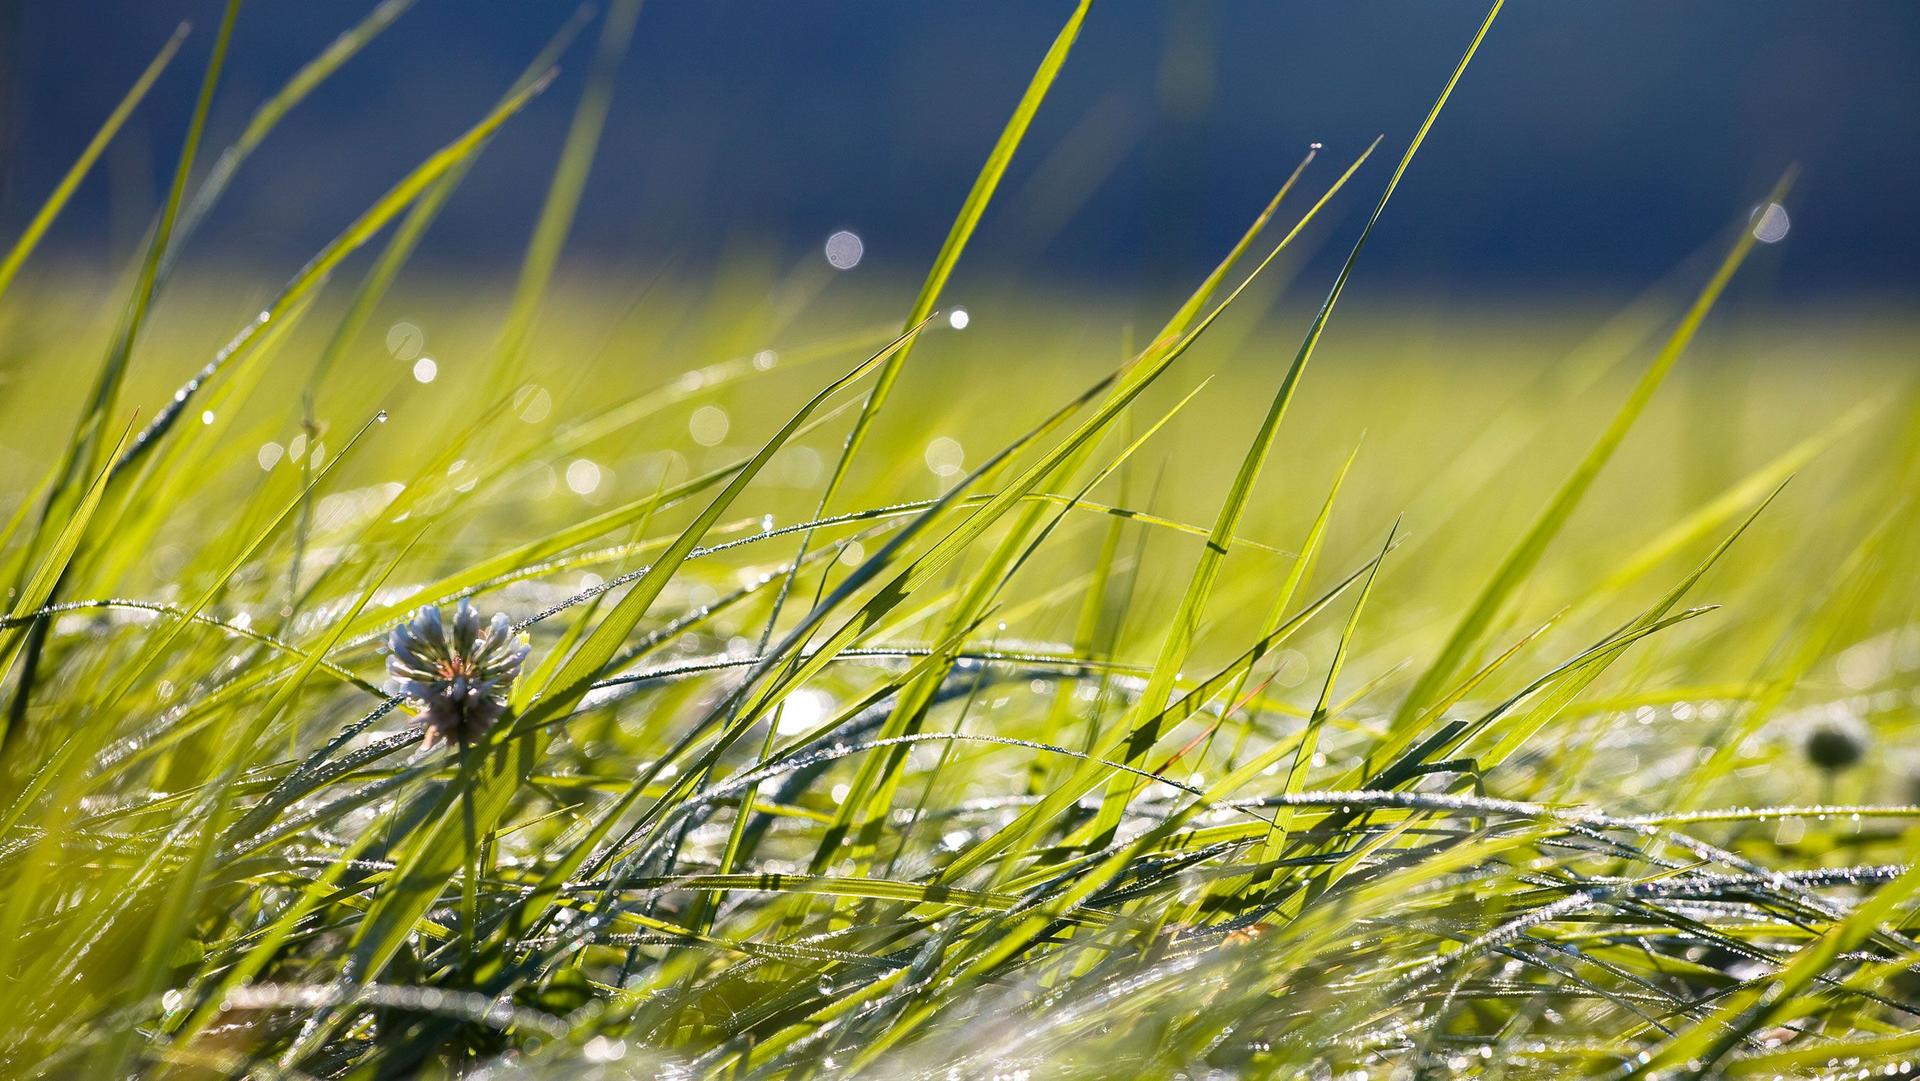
(1067, 722)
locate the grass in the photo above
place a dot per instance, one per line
(911, 700)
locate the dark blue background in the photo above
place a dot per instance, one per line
(1593, 145)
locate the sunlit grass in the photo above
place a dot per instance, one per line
(1519, 690)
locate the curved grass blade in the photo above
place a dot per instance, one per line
(53, 567)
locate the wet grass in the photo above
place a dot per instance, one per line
(1058, 696)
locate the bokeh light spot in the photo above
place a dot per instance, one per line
(802, 711)
(844, 250)
(945, 456)
(708, 425)
(1770, 223)
(532, 403)
(583, 476)
(405, 341)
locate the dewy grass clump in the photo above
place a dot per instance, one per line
(457, 676)
(1076, 754)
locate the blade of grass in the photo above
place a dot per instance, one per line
(270, 112)
(57, 201)
(1520, 561)
(437, 853)
(564, 191)
(1185, 624)
(971, 211)
(370, 222)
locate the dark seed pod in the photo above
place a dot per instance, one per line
(1836, 744)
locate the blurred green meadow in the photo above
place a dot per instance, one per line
(1464, 422)
(954, 678)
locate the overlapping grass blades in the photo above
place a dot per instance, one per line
(1068, 764)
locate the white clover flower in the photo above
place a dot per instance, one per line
(457, 677)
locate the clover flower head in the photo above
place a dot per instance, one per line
(457, 676)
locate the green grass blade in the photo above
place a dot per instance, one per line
(370, 222)
(971, 210)
(564, 191)
(270, 112)
(1520, 561)
(56, 201)
(1185, 623)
